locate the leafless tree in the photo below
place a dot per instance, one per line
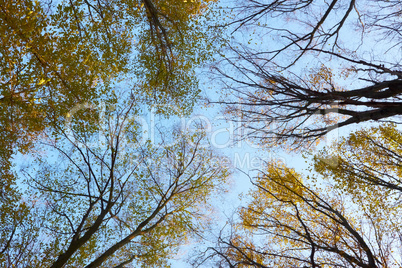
(316, 66)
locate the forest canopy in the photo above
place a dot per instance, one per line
(81, 185)
(311, 67)
(89, 191)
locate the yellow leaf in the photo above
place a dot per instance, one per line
(42, 81)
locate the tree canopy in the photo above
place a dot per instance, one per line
(349, 216)
(79, 185)
(112, 203)
(295, 71)
(55, 55)
(310, 67)
(83, 183)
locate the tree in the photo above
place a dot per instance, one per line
(55, 55)
(312, 67)
(366, 165)
(299, 84)
(293, 221)
(114, 201)
(110, 202)
(19, 232)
